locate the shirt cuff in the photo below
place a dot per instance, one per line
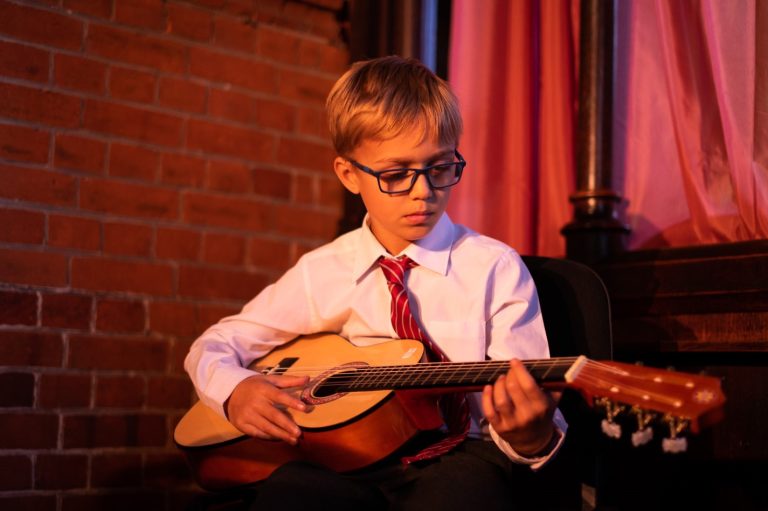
(535, 462)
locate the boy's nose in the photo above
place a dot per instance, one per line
(421, 188)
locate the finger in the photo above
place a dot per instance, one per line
(280, 397)
(287, 381)
(527, 385)
(277, 424)
(489, 410)
(502, 400)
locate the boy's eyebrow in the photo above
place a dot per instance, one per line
(405, 161)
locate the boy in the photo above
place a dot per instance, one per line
(396, 127)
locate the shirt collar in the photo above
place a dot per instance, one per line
(433, 251)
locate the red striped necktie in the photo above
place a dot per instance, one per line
(454, 405)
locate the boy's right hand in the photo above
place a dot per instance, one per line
(257, 407)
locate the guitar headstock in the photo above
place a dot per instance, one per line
(681, 401)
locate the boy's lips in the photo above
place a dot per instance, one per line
(419, 217)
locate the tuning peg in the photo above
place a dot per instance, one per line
(609, 427)
(675, 444)
(644, 434)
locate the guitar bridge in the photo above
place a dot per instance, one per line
(280, 368)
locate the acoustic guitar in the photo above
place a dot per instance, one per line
(365, 403)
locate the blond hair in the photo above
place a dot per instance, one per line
(381, 98)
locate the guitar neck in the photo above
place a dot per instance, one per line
(443, 374)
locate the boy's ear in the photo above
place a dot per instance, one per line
(346, 175)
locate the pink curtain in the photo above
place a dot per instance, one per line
(512, 65)
(691, 123)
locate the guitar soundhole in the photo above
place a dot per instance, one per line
(332, 384)
(335, 384)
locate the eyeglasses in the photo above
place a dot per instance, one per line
(442, 175)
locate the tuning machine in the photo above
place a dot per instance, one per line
(644, 432)
(612, 409)
(675, 444)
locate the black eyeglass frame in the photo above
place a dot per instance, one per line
(417, 172)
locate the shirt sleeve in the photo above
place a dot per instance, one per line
(218, 359)
(515, 329)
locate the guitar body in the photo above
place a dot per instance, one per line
(345, 432)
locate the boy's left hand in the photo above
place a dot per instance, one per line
(520, 411)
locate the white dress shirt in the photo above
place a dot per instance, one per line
(472, 295)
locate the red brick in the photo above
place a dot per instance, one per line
(37, 105)
(313, 121)
(223, 249)
(20, 143)
(20, 226)
(132, 122)
(108, 196)
(306, 155)
(15, 473)
(133, 162)
(272, 254)
(225, 139)
(276, 115)
(247, 109)
(127, 239)
(18, 308)
(79, 153)
(211, 314)
(132, 85)
(25, 62)
(67, 311)
(323, 57)
(324, 24)
(331, 193)
(24, 348)
(116, 470)
(78, 73)
(272, 183)
(40, 26)
(101, 274)
(306, 222)
(304, 189)
(34, 185)
(96, 8)
(226, 211)
(141, 13)
(117, 353)
(201, 282)
(61, 471)
(114, 315)
(74, 232)
(174, 318)
(190, 22)
(18, 391)
(225, 176)
(62, 390)
(33, 268)
(28, 502)
(235, 34)
(123, 430)
(183, 170)
(170, 392)
(182, 95)
(119, 392)
(220, 67)
(305, 87)
(28, 430)
(278, 45)
(136, 48)
(179, 244)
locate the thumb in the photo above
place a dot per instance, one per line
(284, 382)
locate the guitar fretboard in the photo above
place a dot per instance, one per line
(431, 375)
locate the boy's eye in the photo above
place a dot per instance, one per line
(395, 175)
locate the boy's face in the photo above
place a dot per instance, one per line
(397, 220)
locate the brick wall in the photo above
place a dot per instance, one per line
(160, 162)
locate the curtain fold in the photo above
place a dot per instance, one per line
(512, 67)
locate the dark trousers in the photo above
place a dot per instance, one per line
(475, 475)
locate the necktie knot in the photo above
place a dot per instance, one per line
(394, 268)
